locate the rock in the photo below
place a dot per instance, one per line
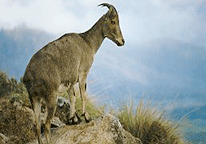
(56, 122)
(62, 110)
(62, 102)
(8, 140)
(105, 130)
(3, 139)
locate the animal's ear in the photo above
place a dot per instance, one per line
(112, 13)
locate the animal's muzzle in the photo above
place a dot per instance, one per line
(120, 42)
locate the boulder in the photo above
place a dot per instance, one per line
(62, 110)
(104, 130)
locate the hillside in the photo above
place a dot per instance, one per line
(147, 125)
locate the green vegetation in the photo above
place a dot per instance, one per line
(12, 88)
(145, 121)
(15, 120)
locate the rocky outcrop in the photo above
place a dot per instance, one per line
(104, 130)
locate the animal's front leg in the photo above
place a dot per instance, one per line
(73, 117)
(82, 88)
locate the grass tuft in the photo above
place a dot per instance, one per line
(149, 124)
(93, 110)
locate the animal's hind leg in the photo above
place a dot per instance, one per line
(51, 108)
(36, 105)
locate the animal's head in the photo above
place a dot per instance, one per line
(111, 28)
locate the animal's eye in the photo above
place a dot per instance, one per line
(113, 22)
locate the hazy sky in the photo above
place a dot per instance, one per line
(141, 20)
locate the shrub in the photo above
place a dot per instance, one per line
(5, 86)
(12, 88)
(16, 122)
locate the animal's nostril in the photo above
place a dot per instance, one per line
(123, 41)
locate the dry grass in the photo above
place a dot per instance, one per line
(93, 110)
(150, 125)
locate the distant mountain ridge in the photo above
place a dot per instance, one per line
(17, 46)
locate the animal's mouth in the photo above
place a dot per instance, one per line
(120, 43)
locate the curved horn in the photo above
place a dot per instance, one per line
(110, 7)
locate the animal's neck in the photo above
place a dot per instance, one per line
(94, 36)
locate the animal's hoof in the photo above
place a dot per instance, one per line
(87, 117)
(74, 120)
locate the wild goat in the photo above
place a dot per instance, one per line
(65, 62)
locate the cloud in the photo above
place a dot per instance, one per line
(140, 20)
(148, 20)
(175, 104)
(51, 16)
